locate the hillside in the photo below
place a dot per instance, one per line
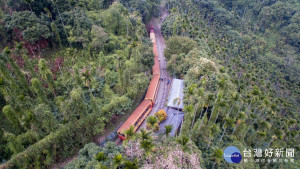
(72, 71)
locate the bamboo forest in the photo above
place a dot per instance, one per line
(150, 84)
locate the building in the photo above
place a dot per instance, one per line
(175, 99)
(174, 108)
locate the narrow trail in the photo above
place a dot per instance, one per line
(163, 86)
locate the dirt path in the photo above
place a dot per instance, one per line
(162, 94)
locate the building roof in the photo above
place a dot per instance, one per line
(174, 118)
(176, 92)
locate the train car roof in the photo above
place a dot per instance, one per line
(152, 87)
(156, 61)
(155, 53)
(135, 115)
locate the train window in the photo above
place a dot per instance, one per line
(121, 134)
(137, 122)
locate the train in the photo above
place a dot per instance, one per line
(145, 107)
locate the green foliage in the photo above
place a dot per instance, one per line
(238, 45)
(33, 28)
(177, 45)
(148, 147)
(71, 59)
(168, 129)
(56, 145)
(147, 8)
(161, 115)
(93, 156)
(151, 121)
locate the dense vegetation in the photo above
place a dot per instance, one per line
(141, 149)
(240, 62)
(68, 68)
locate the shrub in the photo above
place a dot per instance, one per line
(161, 115)
(156, 127)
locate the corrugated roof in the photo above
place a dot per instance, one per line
(135, 115)
(174, 118)
(176, 92)
(153, 87)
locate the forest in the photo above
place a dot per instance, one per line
(70, 69)
(240, 62)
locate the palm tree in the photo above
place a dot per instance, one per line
(101, 157)
(144, 135)
(228, 122)
(209, 99)
(118, 161)
(217, 103)
(213, 130)
(241, 118)
(222, 104)
(177, 101)
(168, 128)
(151, 121)
(217, 156)
(183, 141)
(130, 135)
(131, 165)
(47, 75)
(148, 146)
(200, 95)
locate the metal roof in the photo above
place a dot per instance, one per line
(176, 93)
(174, 118)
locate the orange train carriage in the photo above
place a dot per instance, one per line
(136, 118)
(153, 88)
(142, 111)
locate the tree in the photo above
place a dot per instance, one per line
(177, 45)
(148, 146)
(99, 38)
(240, 118)
(131, 165)
(144, 135)
(183, 141)
(168, 129)
(217, 156)
(151, 121)
(118, 161)
(32, 27)
(75, 107)
(47, 75)
(213, 129)
(228, 122)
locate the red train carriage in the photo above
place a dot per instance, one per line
(155, 69)
(136, 118)
(153, 88)
(142, 111)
